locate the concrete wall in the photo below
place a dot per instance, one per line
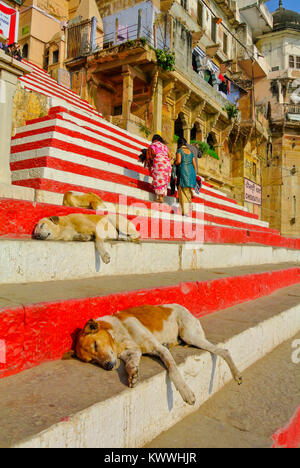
(129, 17)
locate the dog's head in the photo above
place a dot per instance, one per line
(47, 228)
(95, 344)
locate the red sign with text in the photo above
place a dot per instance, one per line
(9, 22)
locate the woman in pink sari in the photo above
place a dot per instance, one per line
(159, 164)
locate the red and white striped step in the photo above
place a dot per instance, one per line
(41, 82)
(49, 155)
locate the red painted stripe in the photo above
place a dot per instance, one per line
(41, 332)
(36, 76)
(212, 234)
(289, 436)
(75, 149)
(52, 93)
(55, 127)
(19, 218)
(74, 134)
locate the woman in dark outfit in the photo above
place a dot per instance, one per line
(187, 178)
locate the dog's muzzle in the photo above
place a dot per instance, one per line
(110, 365)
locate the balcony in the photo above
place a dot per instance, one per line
(257, 16)
(292, 112)
(260, 68)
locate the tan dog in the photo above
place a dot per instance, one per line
(85, 228)
(146, 330)
(90, 201)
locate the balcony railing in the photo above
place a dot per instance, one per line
(124, 34)
(292, 109)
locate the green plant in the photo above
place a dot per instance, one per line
(165, 59)
(130, 43)
(144, 129)
(232, 111)
(143, 41)
(213, 154)
(205, 149)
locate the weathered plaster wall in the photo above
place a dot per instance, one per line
(27, 105)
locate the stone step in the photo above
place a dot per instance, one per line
(38, 321)
(71, 404)
(153, 221)
(257, 415)
(53, 150)
(39, 81)
(26, 261)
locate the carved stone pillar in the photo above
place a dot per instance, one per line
(127, 93)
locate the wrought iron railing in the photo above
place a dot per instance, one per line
(124, 34)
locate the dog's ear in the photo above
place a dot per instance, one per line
(91, 328)
(54, 219)
(69, 355)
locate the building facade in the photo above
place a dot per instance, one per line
(281, 93)
(176, 67)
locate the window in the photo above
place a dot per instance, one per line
(292, 61)
(213, 30)
(46, 59)
(200, 13)
(55, 56)
(298, 62)
(225, 44)
(25, 51)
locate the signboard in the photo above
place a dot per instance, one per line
(9, 22)
(253, 192)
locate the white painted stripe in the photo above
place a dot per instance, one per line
(54, 88)
(111, 187)
(89, 162)
(101, 165)
(79, 129)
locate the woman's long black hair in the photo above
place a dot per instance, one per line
(158, 138)
(181, 142)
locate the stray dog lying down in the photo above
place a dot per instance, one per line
(85, 228)
(146, 330)
(90, 201)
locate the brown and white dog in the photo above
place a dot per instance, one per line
(85, 228)
(146, 330)
(90, 201)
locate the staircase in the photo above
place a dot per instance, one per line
(218, 257)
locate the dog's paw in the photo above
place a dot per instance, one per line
(106, 259)
(239, 379)
(133, 378)
(188, 396)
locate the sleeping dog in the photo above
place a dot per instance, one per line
(90, 201)
(85, 228)
(146, 330)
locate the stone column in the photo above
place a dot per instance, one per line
(127, 93)
(10, 70)
(158, 105)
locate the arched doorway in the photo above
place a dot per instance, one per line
(196, 132)
(179, 127)
(212, 140)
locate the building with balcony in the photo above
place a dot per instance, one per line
(177, 67)
(281, 94)
(132, 81)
